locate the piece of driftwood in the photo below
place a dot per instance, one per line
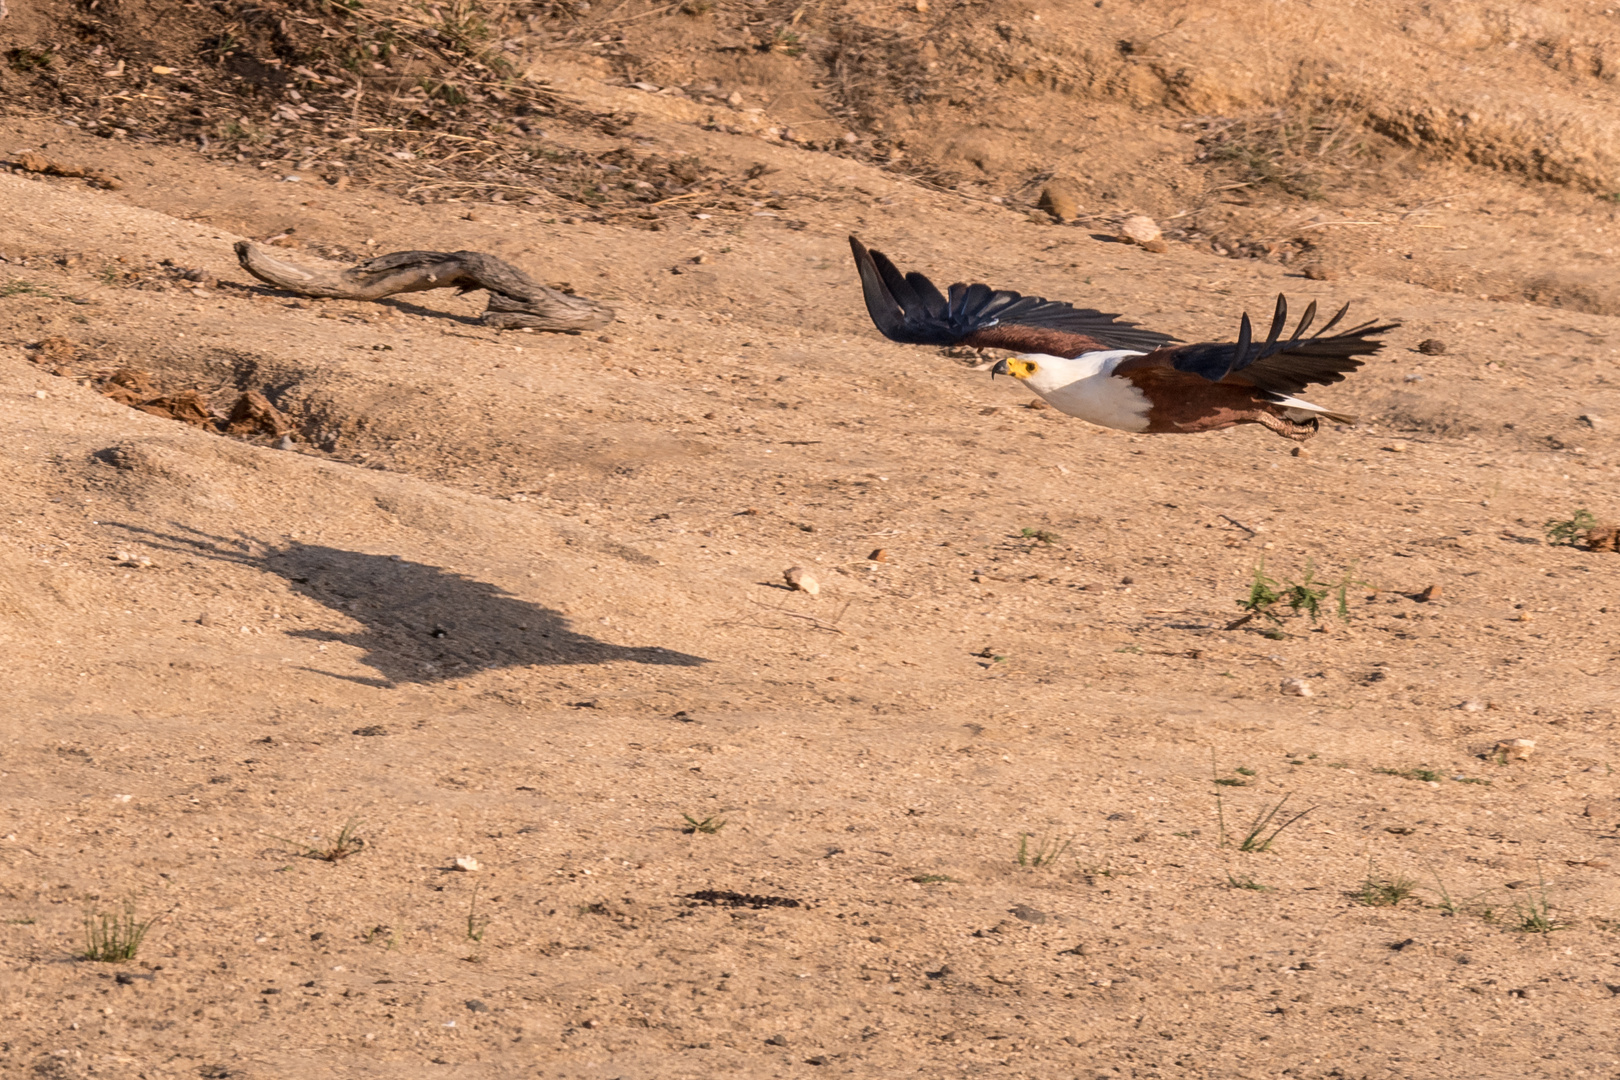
(516, 302)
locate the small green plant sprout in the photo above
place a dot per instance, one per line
(1043, 853)
(1378, 891)
(1535, 912)
(932, 879)
(708, 826)
(380, 932)
(346, 844)
(114, 939)
(23, 287)
(1262, 831)
(1244, 881)
(1040, 536)
(475, 925)
(1569, 531)
(1428, 776)
(1305, 597)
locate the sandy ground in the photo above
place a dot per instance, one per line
(517, 599)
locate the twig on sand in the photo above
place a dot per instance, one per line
(516, 301)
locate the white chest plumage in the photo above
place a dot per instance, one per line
(1085, 386)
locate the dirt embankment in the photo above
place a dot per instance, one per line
(454, 716)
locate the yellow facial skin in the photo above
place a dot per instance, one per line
(1019, 369)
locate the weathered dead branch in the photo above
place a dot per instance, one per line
(515, 301)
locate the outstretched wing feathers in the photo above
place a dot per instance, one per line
(1277, 365)
(908, 308)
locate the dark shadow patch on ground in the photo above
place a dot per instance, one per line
(420, 623)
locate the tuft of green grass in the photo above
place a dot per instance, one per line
(1535, 912)
(346, 844)
(24, 287)
(1040, 536)
(1046, 851)
(1428, 776)
(114, 939)
(1258, 838)
(932, 879)
(1567, 532)
(1245, 882)
(1383, 891)
(707, 826)
(1304, 597)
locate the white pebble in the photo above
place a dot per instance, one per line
(801, 580)
(467, 863)
(1516, 749)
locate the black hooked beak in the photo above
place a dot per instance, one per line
(1000, 368)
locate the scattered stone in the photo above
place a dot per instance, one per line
(466, 863)
(1024, 913)
(801, 580)
(1396, 448)
(1431, 347)
(880, 555)
(1299, 451)
(1297, 688)
(474, 1005)
(1472, 706)
(1591, 420)
(1432, 592)
(1516, 749)
(1143, 231)
(776, 1040)
(1603, 538)
(1061, 198)
(253, 414)
(371, 730)
(1319, 272)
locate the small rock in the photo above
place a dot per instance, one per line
(1061, 198)
(1299, 451)
(1141, 230)
(776, 1040)
(284, 443)
(1472, 706)
(1431, 347)
(1603, 538)
(1297, 688)
(819, 1059)
(1396, 448)
(1432, 592)
(1318, 272)
(1591, 420)
(1024, 913)
(880, 555)
(1516, 749)
(466, 863)
(477, 1006)
(801, 580)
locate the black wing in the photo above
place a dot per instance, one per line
(1283, 366)
(909, 309)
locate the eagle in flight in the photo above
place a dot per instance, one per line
(1113, 373)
